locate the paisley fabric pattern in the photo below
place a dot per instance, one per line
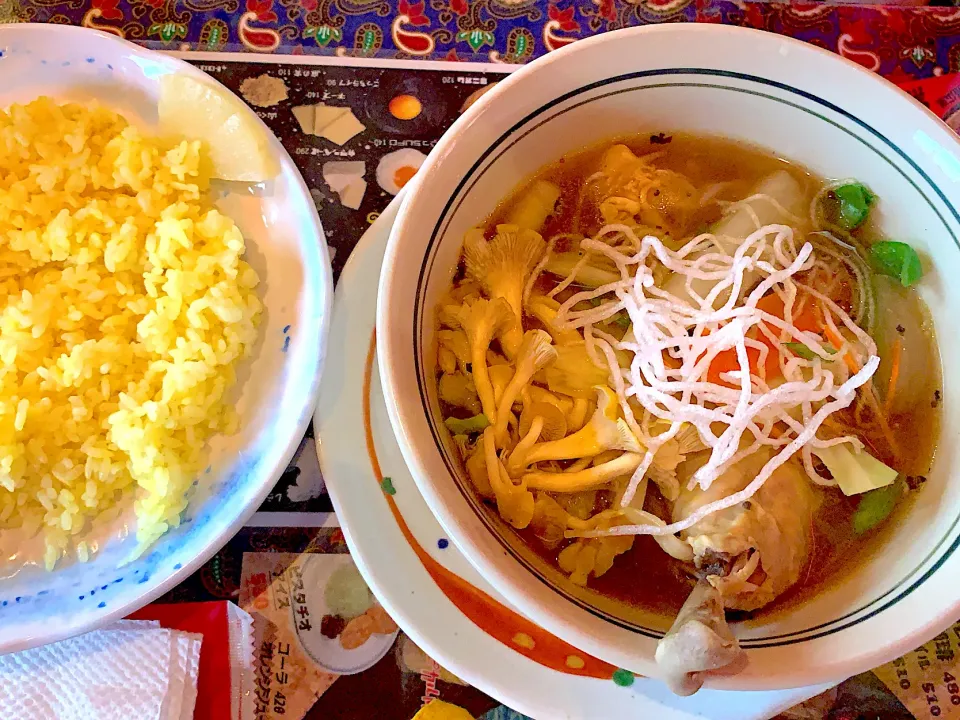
(903, 43)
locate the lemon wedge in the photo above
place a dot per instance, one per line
(238, 146)
(440, 710)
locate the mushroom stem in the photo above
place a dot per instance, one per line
(534, 354)
(589, 479)
(526, 442)
(604, 432)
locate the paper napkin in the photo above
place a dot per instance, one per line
(130, 670)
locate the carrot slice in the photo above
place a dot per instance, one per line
(726, 361)
(806, 319)
(838, 341)
(894, 374)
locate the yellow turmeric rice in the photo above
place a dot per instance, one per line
(124, 305)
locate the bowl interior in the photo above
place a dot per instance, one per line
(766, 92)
(276, 384)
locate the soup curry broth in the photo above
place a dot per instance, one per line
(676, 369)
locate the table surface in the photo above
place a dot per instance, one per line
(905, 44)
(898, 42)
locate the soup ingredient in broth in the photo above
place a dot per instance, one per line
(849, 204)
(502, 266)
(124, 306)
(674, 343)
(699, 638)
(898, 260)
(876, 506)
(774, 527)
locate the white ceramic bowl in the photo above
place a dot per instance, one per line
(277, 385)
(800, 102)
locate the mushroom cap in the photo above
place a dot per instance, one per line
(554, 422)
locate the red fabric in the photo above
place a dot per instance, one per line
(940, 94)
(210, 620)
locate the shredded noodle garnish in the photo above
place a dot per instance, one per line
(675, 339)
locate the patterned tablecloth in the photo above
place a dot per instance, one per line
(899, 42)
(917, 47)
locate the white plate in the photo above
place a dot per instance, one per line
(404, 569)
(277, 384)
